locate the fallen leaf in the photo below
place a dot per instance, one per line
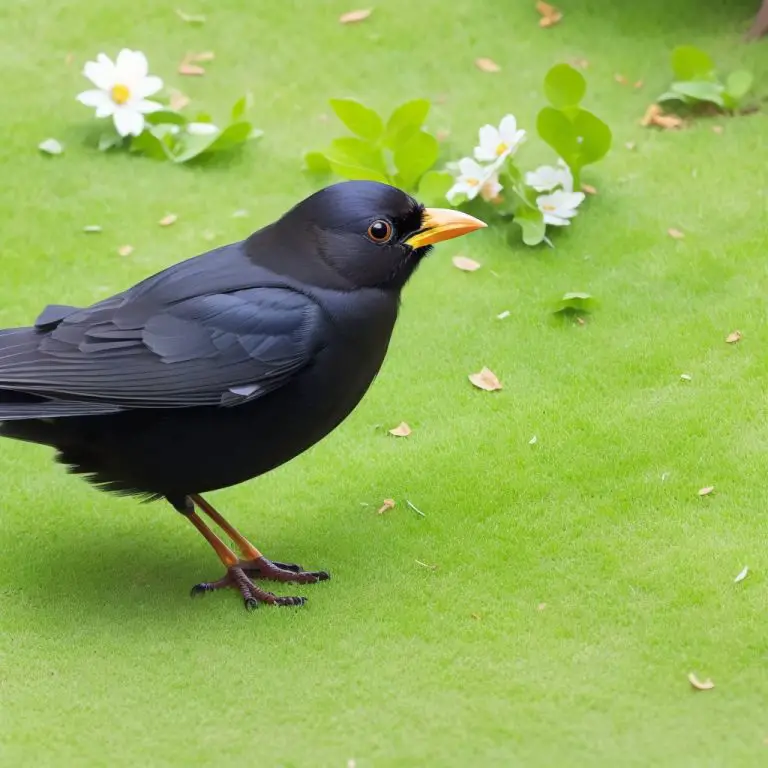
(665, 476)
(352, 17)
(676, 233)
(190, 64)
(178, 100)
(475, 616)
(638, 84)
(549, 14)
(185, 68)
(69, 59)
(541, 606)
(51, 147)
(465, 264)
(386, 505)
(487, 65)
(717, 128)
(503, 315)
(654, 115)
(125, 250)
(485, 379)
(630, 145)
(533, 440)
(620, 79)
(168, 219)
(581, 321)
(741, 575)
(401, 430)
(202, 57)
(706, 490)
(733, 337)
(589, 189)
(92, 229)
(442, 135)
(686, 376)
(190, 18)
(700, 685)
(579, 63)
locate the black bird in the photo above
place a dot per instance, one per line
(226, 365)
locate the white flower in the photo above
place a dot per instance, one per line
(202, 129)
(121, 90)
(545, 178)
(475, 179)
(559, 206)
(498, 143)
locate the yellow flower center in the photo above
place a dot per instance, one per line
(120, 94)
(549, 207)
(473, 182)
(501, 149)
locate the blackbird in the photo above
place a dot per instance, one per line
(227, 365)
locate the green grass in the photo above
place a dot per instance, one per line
(103, 658)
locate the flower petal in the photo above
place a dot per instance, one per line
(145, 106)
(101, 73)
(508, 130)
(471, 168)
(489, 139)
(93, 98)
(148, 86)
(128, 122)
(131, 66)
(555, 221)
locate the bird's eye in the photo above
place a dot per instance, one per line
(380, 231)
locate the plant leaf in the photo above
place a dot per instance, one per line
(354, 151)
(151, 144)
(595, 137)
(414, 158)
(700, 90)
(531, 221)
(405, 121)
(739, 84)
(554, 127)
(691, 63)
(361, 120)
(194, 145)
(168, 116)
(433, 187)
(240, 107)
(564, 86)
(575, 301)
(316, 162)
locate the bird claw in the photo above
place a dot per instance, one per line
(283, 572)
(253, 595)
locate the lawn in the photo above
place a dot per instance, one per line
(578, 580)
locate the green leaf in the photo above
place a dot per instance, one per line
(357, 152)
(531, 221)
(405, 121)
(564, 86)
(700, 90)
(356, 172)
(739, 84)
(240, 107)
(673, 96)
(433, 187)
(192, 146)
(358, 118)
(316, 162)
(691, 63)
(151, 145)
(110, 138)
(575, 302)
(415, 157)
(166, 116)
(558, 131)
(594, 135)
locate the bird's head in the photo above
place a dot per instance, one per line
(375, 235)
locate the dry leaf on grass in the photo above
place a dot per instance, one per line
(125, 250)
(475, 616)
(620, 79)
(654, 115)
(69, 59)
(549, 14)
(168, 219)
(401, 430)
(487, 65)
(533, 440)
(589, 189)
(541, 607)
(352, 17)
(638, 84)
(630, 145)
(442, 135)
(717, 128)
(193, 70)
(706, 490)
(485, 379)
(92, 229)
(686, 376)
(733, 337)
(386, 505)
(190, 64)
(465, 264)
(178, 100)
(676, 233)
(579, 63)
(700, 685)
(741, 575)
(190, 18)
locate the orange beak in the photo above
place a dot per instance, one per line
(441, 224)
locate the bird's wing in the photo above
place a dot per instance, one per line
(222, 349)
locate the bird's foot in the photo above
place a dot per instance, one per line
(253, 595)
(261, 568)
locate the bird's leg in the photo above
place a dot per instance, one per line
(254, 563)
(235, 578)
